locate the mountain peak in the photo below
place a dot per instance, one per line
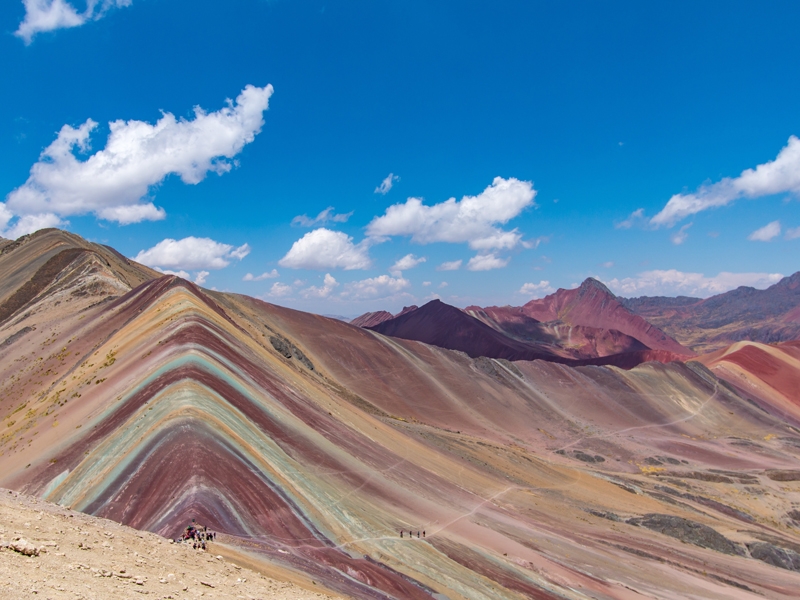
(592, 283)
(592, 304)
(790, 281)
(370, 319)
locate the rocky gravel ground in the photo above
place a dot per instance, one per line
(47, 551)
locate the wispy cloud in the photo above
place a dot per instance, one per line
(635, 219)
(382, 286)
(453, 265)
(486, 262)
(681, 235)
(325, 216)
(536, 290)
(775, 177)
(766, 233)
(386, 184)
(673, 282)
(267, 275)
(535, 243)
(409, 261)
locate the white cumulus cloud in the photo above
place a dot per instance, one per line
(323, 291)
(486, 262)
(375, 287)
(409, 261)
(181, 273)
(678, 283)
(322, 218)
(775, 177)
(200, 278)
(387, 184)
(114, 183)
(793, 234)
(49, 15)
(326, 249)
(26, 224)
(267, 275)
(191, 253)
(473, 220)
(536, 290)
(280, 290)
(766, 233)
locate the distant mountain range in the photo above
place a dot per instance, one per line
(744, 314)
(446, 326)
(591, 325)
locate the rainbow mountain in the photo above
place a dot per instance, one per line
(311, 444)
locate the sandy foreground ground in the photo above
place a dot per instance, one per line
(86, 557)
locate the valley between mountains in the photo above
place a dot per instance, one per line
(576, 447)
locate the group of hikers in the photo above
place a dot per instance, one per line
(411, 533)
(197, 535)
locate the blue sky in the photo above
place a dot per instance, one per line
(576, 139)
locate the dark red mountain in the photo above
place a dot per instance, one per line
(440, 324)
(568, 341)
(446, 326)
(371, 319)
(594, 305)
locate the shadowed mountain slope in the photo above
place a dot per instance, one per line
(446, 326)
(371, 319)
(588, 325)
(310, 444)
(744, 314)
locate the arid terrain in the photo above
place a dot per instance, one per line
(315, 447)
(74, 555)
